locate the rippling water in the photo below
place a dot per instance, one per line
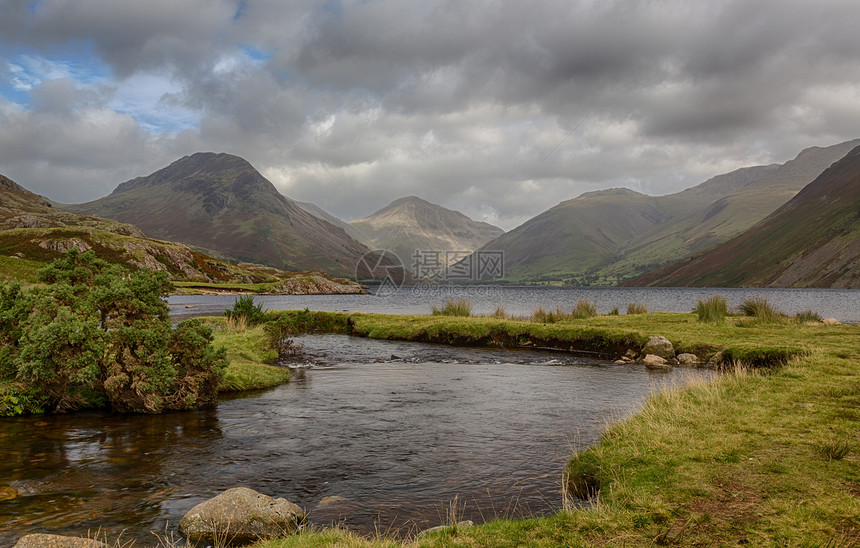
(842, 304)
(399, 429)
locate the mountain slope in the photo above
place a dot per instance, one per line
(219, 204)
(320, 213)
(811, 241)
(605, 237)
(410, 224)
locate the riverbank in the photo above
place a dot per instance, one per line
(758, 456)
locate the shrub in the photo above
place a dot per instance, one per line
(637, 308)
(244, 309)
(760, 309)
(584, 309)
(614, 311)
(713, 310)
(98, 335)
(453, 307)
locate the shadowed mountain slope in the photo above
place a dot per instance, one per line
(811, 241)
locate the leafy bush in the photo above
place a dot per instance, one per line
(98, 335)
(244, 309)
(713, 310)
(453, 307)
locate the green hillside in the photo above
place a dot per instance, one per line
(811, 241)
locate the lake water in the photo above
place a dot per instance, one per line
(399, 429)
(842, 304)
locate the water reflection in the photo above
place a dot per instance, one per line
(398, 439)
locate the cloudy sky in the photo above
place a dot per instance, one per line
(497, 109)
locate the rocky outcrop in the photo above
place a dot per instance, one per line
(242, 514)
(659, 346)
(40, 540)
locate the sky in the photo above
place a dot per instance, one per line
(497, 109)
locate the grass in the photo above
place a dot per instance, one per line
(637, 308)
(192, 288)
(453, 307)
(249, 352)
(757, 456)
(760, 309)
(712, 310)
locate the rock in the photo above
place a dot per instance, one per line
(242, 514)
(716, 359)
(40, 540)
(8, 493)
(619, 362)
(438, 528)
(652, 361)
(659, 346)
(331, 501)
(688, 359)
(631, 354)
(673, 361)
(830, 321)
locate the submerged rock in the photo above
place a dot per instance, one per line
(331, 500)
(8, 493)
(41, 540)
(242, 514)
(659, 346)
(652, 361)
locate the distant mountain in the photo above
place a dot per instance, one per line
(608, 236)
(410, 224)
(811, 241)
(221, 205)
(320, 213)
(33, 233)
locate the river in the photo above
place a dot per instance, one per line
(399, 429)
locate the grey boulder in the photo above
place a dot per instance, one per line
(659, 346)
(241, 514)
(41, 540)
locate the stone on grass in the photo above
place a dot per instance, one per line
(830, 321)
(688, 359)
(452, 528)
(652, 361)
(41, 540)
(241, 514)
(659, 346)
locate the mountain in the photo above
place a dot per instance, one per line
(811, 241)
(219, 204)
(608, 236)
(411, 224)
(320, 213)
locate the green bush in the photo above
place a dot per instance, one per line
(713, 310)
(97, 335)
(244, 309)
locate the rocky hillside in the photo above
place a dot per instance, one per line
(35, 233)
(811, 241)
(219, 204)
(411, 223)
(608, 236)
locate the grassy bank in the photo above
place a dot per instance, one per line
(249, 353)
(758, 456)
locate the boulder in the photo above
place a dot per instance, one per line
(659, 346)
(40, 540)
(716, 359)
(688, 359)
(652, 361)
(830, 321)
(452, 528)
(242, 515)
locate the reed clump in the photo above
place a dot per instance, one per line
(453, 307)
(584, 309)
(637, 308)
(760, 309)
(712, 310)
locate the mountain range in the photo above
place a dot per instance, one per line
(33, 233)
(608, 236)
(813, 240)
(220, 204)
